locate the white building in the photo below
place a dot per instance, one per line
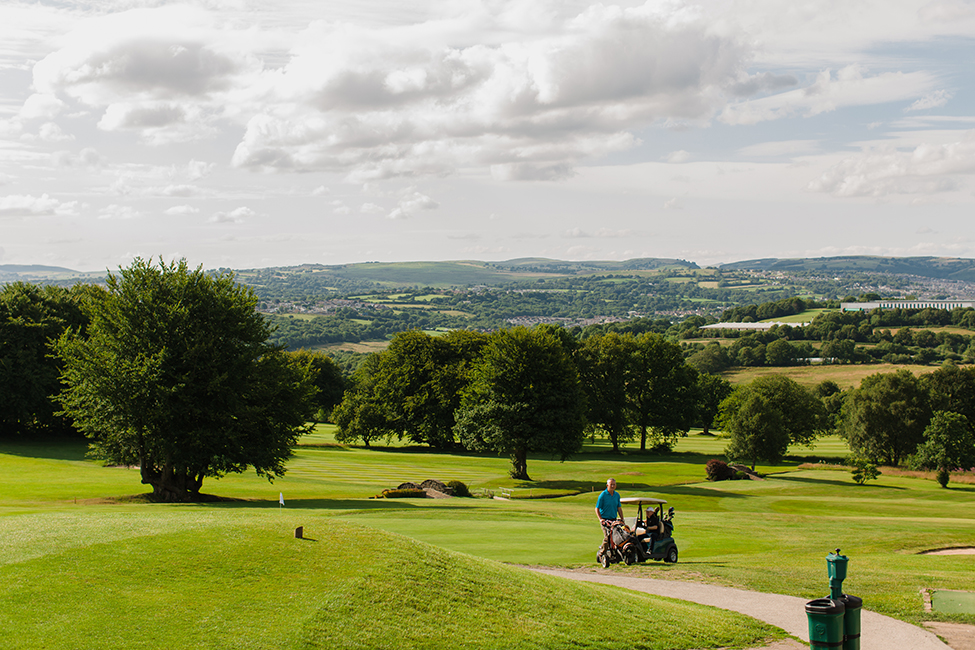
(907, 304)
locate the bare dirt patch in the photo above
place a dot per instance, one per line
(957, 635)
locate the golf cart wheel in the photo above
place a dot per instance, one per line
(629, 558)
(671, 555)
(604, 560)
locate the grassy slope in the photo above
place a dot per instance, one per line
(226, 578)
(768, 535)
(82, 570)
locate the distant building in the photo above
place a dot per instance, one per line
(907, 304)
(749, 326)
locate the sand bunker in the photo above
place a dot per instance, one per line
(961, 550)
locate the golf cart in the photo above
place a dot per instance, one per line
(641, 538)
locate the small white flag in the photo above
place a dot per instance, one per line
(281, 498)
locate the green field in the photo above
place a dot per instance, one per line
(845, 375)
(85, 558)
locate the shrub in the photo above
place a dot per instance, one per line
(404, 494)
(863, 471)
(458, 489)
(718, 470)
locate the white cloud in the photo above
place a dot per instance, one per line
(781, 148)
(87, 157)
(182, 209)
(421, 100)
(410, 203)
(673, 204)
(928, 169)
(20, 205)
(932, 100)
(679, 156)
(371, 208)
(195, 169)
(601, 233)
(850, 86)
(166, 73)
(321, 190)
(237, 215)
(183, 190)
(116, 211)
(41, 106)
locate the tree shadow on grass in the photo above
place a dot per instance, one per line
(53, 449)
(690, 491)
(345, 505)
(823, 481)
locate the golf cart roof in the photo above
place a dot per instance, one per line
(642, 501)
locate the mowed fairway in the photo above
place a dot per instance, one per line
(85, 566)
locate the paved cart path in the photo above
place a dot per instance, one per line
(877, 632)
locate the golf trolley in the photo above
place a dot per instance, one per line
(641, 538)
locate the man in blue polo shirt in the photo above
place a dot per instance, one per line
(608, 508)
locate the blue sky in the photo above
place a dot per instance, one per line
(244, 134)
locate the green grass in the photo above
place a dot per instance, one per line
(845, 375)
(74, 548)
(233, 576)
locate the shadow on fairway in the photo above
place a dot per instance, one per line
(362, 505)
(53, 449)
(822, 481)
(681, 491)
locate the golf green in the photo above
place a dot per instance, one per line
(953, 602)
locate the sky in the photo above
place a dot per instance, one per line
(246, 133)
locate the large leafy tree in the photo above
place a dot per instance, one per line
(327, 378)
(524, 396)
(176, 375)
(884, 419)
(711, 391)
(661, 390)
(767, 415)
(411, 389)
(604, 369)
(951, 388)
(949, 445)
(31, 318)
(361, 415)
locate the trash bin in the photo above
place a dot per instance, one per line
(851, 622)
(825, 616)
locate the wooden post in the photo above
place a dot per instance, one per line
(299, 532)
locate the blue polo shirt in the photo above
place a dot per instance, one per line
(608, 504)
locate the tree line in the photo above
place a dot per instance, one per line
(898, 418)
(522, 390)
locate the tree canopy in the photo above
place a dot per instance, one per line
(524, 396)
(884, 419)
(176, 375)
(31, 318)
(767, 415)
(949, 444)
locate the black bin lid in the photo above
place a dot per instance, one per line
(825, 606)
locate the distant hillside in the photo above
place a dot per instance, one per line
(34, 269)
(561, 266)
(390, 275)
(946, 268)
